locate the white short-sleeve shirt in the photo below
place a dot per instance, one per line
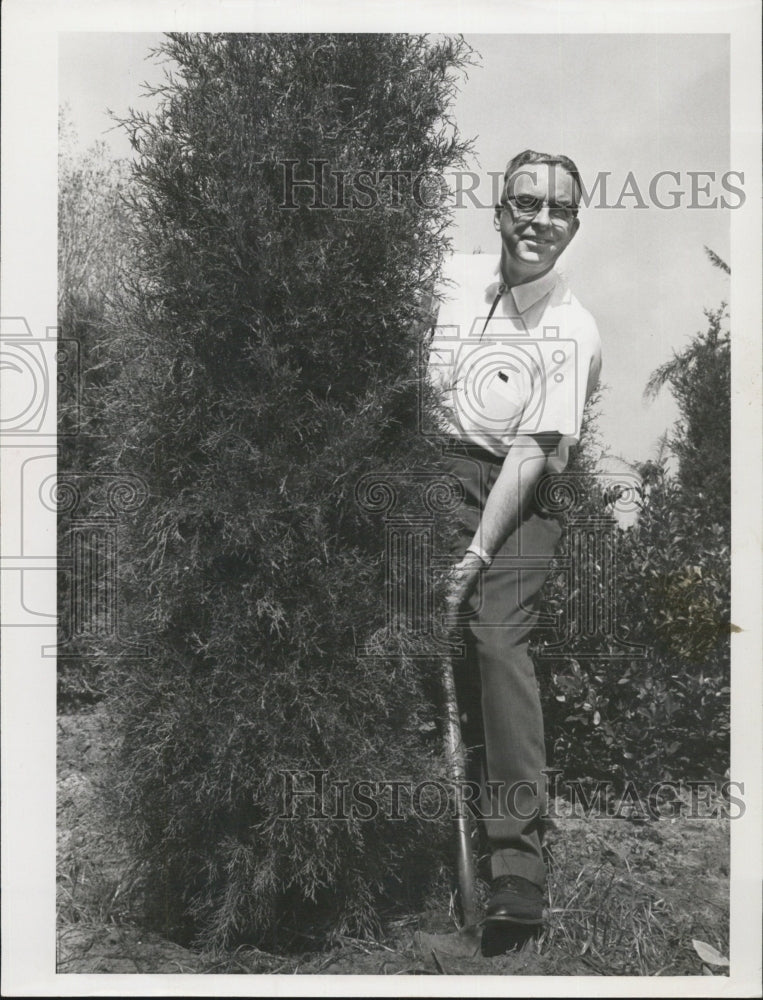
(528, 369)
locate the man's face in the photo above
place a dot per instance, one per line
(534, 235)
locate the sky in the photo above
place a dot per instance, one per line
(614, 103)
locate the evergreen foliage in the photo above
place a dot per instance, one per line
(699, 377)
(272, 364)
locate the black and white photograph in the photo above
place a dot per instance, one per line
(380, 442)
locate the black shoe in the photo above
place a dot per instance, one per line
(515, 900)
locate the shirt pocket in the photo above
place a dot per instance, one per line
(505, 396)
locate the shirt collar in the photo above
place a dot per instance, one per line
(530, 292)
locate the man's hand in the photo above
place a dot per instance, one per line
(463, 580)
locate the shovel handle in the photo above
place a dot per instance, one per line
(456, 758)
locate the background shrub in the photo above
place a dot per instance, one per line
(92, 238)
(665, 716)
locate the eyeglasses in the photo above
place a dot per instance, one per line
(527, 207)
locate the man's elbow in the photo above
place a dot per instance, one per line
(537, 454)
(528, 455)
(545, 443)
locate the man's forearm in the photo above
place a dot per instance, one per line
(512, 490)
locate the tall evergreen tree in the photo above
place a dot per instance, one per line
(273, 364)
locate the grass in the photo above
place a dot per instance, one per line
(616, 922)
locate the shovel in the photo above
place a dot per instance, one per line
(466, 942)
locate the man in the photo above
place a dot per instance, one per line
(515, 356)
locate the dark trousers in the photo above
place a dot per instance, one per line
(496, 682)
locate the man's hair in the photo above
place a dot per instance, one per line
(552, 159)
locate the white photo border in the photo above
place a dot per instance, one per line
(29, 199)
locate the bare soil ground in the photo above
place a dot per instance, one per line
(627, 897)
